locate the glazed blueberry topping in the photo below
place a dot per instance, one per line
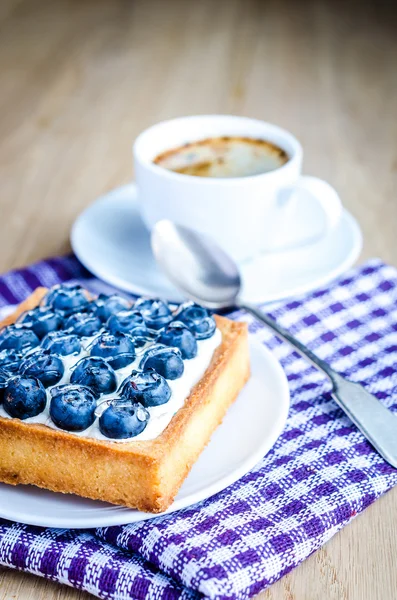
(67, 298)
(166, 361)
(60, 342)
(41, 320)
(105, 306)
(10, 360)
(147, 387)
(179, 335)
(117, 348)
(32, 351)
(72, 407)
(123, 419)
(83, 324)
(43, 365)
(24, 397)
(198, 319)
(18, 338)
(95, 373)
(4, 378)
(124, 321)
(157, 314)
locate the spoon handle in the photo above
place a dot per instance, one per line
(375, 421)
(291, 340)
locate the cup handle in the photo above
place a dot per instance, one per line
(309, 209)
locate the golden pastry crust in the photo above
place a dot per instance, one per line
(139, 474)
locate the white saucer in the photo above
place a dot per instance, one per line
(249, 430)
(110, 239)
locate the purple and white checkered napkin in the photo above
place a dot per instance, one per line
(319, 475)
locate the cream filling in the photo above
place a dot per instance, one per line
(160, 416)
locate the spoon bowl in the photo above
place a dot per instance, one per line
(196, 265)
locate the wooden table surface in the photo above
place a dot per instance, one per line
(81, 78)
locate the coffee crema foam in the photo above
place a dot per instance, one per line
(227, 156)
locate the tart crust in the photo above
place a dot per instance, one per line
(139, 474)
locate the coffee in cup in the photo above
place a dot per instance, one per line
(225, 156)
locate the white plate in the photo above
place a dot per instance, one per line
(249, 430)
(110, 239)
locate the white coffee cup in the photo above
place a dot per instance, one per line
(272, 211)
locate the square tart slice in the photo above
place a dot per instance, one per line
(145, 475)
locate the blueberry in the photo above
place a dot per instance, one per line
(198, 319)
(41, 320)
(123, 419)
(105, 306)
(83, 324)
(124, 321)
(4, 378)
(143, 335)
(157, 314)
(67, 298)
(18, 338)
(72, 407)
(166, 361)
(24, 397)
(179, 335)
(147, 387)
(61, 342)
(117, 348)
(95, 373)
(43, 365)
(10, 360)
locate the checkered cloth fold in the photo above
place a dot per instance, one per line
(320, 474)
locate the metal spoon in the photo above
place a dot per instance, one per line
(207, 275)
